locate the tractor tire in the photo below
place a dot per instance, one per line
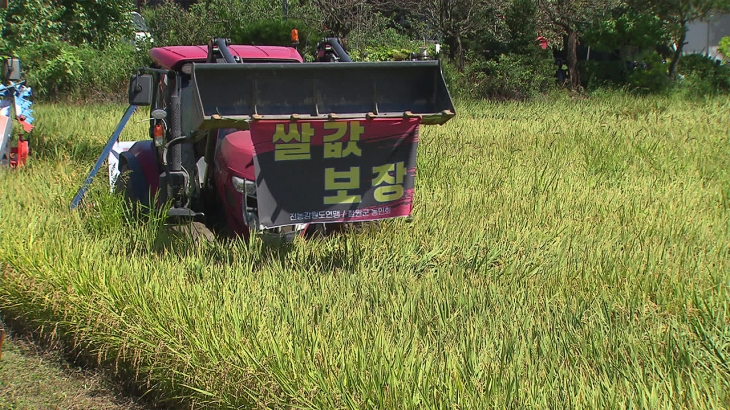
(123, 186)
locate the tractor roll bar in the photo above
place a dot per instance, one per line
(341, 53)
(222, 45)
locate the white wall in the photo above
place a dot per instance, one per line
(699, 32)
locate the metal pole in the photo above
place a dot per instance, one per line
(104, 154)
(285, 8)
(709, 19)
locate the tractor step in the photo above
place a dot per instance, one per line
(184, 214)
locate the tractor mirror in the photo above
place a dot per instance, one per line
(140, 90)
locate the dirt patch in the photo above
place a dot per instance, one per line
(32, 377)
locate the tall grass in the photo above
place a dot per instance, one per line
(563, 254)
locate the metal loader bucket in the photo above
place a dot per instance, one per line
(231, 95)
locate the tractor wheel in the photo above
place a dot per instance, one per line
(123, 186)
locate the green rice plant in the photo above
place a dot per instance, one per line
(563, 253)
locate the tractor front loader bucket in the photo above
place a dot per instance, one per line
(232, 95)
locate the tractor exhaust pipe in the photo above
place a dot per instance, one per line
(175, 126)
(175, 178)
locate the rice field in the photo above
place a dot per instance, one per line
(563, 253)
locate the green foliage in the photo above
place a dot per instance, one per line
(650, 76)
(407, 51)
(521, 24)
(106, 75)
(170, 24)
(277, 32)
(59, 70)
(630, 28)
(267, 32)
(99, 23)
(62, 41)
(31, 22)
(610, 74)
(724, 47)
(71, 49)
(704, 76)
(511, 76)
(377, 30)
(52, 68)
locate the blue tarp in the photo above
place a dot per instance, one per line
(21, 94)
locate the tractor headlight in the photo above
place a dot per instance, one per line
(244, 186)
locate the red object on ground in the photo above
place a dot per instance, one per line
(19, 154)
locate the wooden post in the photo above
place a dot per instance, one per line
(3, 4)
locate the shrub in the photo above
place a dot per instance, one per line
(277, 32)
(170, 24)
(724, 47)
(52, 68)
(58, 70)
(404, 52)
(703, 75)
(650, 76)
(106, 74)
(511, 76)
(595, 74)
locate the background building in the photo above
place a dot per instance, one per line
(703, 36)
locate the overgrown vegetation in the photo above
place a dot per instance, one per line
(63, 71)
(489, 46)
(72, 49)
(571, 251)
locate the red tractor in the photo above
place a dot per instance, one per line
(251, 138)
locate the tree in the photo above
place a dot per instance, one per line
(521, 24)
(340, 17)
(95, 22)
(676, 14)
(570, 18)
(724, 47)
(626, 28)
(455, 20)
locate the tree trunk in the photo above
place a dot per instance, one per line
(677, 54)
(571, 50)
(456, 51)
(451, 42)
